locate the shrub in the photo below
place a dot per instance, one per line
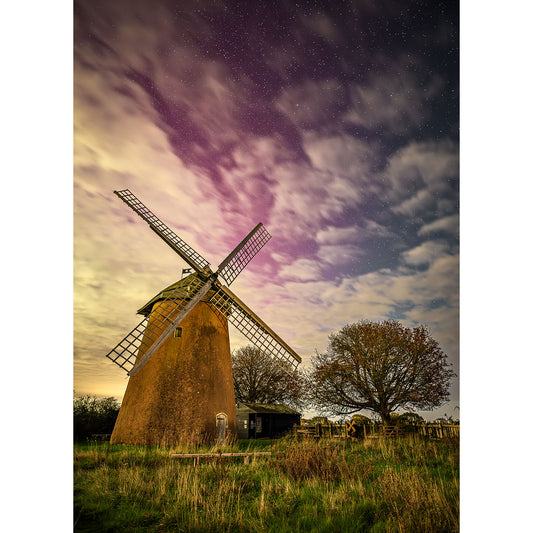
(93, 415)
(327, 463)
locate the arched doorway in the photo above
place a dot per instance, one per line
(222, 424)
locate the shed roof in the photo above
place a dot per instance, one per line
(266, 408)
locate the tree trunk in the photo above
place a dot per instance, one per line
(386, 418)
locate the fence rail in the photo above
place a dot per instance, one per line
(352, 430)
(198, 456)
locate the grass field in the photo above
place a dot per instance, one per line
(382, 485)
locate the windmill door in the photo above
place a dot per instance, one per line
(222, 424)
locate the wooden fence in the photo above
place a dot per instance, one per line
(351, 430)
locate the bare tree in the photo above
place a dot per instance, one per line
(258, 379)
(379, 366)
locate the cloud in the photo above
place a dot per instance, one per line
(375, 229)
(333, 235)
(422, 177)
(339, 247)
(340, 155)
(300, 270)
(342, 250)
(396, 98)
(426, 253)
(428, 162)
(339, 256)
(322, 26)
(312, 104)
(305, 200)
(449, 225)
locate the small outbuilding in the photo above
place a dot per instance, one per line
(255, 420)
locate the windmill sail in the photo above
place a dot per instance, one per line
(170, 308)
(134, 351)
(254, 329)
(186, 252)
(243, 253)
(125, 352)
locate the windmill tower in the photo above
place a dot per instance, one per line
(178, 357)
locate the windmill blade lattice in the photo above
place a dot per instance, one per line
(254, 329)
(243, 253)
(138, 343)
(125, 352)
(185, 251)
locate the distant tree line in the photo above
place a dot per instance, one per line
(94, 416)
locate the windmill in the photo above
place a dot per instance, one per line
(178, 357)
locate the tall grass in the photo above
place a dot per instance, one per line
(390, 485)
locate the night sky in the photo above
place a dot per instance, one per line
(336, 124)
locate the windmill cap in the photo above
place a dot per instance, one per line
(177, 290)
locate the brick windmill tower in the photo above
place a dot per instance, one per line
(178, 357)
